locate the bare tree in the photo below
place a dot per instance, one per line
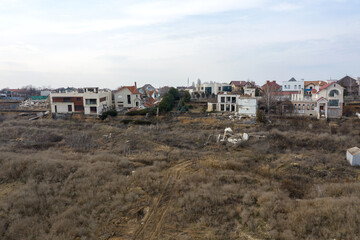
(268, 96)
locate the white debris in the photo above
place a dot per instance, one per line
(358, 115)
(230, 137)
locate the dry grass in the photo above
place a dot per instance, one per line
(67, 180)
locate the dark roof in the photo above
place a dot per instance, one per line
(292, 80)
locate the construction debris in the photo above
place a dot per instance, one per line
(230, 137)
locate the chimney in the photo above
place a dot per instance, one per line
(135, 85)
(267, 81)
(274, 81)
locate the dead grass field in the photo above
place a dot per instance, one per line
(71, 180)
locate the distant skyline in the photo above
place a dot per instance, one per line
(113, 43)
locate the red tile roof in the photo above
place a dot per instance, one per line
(316, 83)
(132, 89)
(326, 86)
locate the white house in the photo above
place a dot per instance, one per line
(127, 97)
(234, 103)
(90, 100)
(292, 85)
(353, 156)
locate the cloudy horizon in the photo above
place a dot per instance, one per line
(73, 43)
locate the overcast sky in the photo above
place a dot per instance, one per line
(113, 43)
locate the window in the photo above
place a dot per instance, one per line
(90, 101)
(299, 107)
(228, 99)
(295, 86)
(67, 99)
(308, 107)
(137, 104)
(128, 99)
(69, 108)
(202, 88)
(222, 107)
(78, 99)
(93, 109)
(219, 88)
(222, 99)
(79, 108)
(334, 103)
(333, 93)
(303, 107)
(312, 106)
(299, 86)
(295, 107)
(233, 99)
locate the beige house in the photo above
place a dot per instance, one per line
(326, 102)
(89, 100)
(127, 97)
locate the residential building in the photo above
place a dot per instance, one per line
(292, 85)
(90, 100)
(213, 88)
(326, 102)
(243, 87)
(234, 103)
(237, 85)
(127, 97)
(272, 85)
(351, 86)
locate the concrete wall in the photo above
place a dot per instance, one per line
(353, 160)
(247, 106)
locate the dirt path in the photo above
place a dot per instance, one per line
(154, 220)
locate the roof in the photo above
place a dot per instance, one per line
(354, 150)
(132, 89)
(272, 84)
(326, 86)
(316, 83)
(321, 99)
(292, 80)
(347, 80)
(238, 83)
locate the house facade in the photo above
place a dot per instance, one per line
(326, 102)
(213, 88)
(89, 101)
(234, 103)
(292, 85)
(127, 97)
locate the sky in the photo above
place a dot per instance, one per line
(51, 43)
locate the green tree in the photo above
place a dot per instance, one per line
(175, 93)
(187, 96)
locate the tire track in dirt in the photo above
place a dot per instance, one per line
(154, 221)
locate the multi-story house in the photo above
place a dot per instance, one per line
(292, 85)
(89, 100)
(127, 97)
(228, 102)
(323, 101)
(213, 88)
